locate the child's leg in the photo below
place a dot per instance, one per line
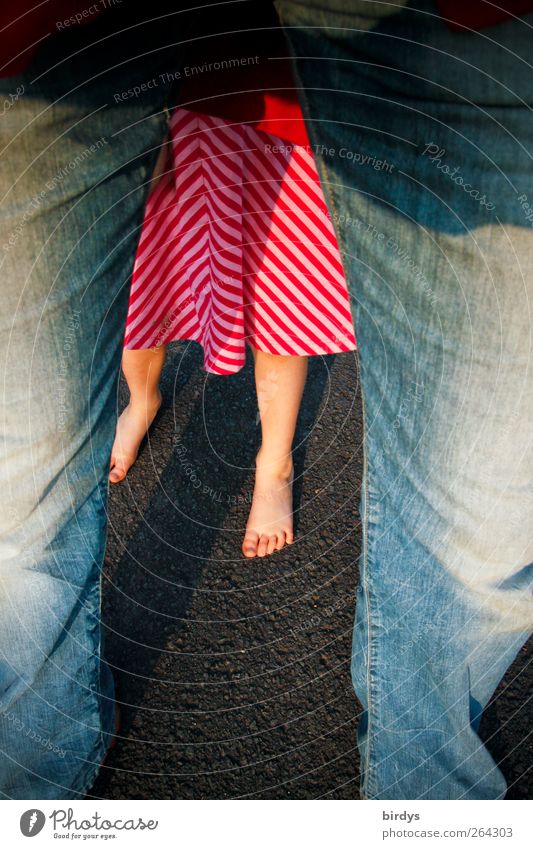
(142, 370)
(280, 382)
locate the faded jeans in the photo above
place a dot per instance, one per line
(424, 139)
(76, 153)
(440, 278)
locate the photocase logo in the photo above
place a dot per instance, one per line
(32, 822)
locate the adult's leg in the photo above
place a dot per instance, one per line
(76, 155)
(423, 140)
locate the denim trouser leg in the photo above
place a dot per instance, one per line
(423, 138)
(73, 179)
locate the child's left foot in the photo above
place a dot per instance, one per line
(132, 427)
(270, 525)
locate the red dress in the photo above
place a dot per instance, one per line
(237, 245)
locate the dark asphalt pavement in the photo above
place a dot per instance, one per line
(234, 674)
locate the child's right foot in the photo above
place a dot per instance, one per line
(132, 427)
(270, 523)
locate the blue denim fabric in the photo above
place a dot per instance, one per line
(424, 138)
(75, 163)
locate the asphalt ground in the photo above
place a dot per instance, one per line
(233, 674)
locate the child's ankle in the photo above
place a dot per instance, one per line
(274, 465)
(147, 402)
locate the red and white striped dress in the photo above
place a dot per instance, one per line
(237, 246)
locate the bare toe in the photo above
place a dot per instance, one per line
(249, 546)
(272, 544)
(263, 544)
(115, 476)
(281, 540)
(120, 466)
(118, 472)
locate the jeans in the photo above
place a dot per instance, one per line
(439, 273)
(423, 138)
(77, 151)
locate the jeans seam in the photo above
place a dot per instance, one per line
(364, 580)
(88, 778)
(103, 488)
(101, 746)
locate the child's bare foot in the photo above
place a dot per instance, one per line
(269, 525)
(132, 427)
